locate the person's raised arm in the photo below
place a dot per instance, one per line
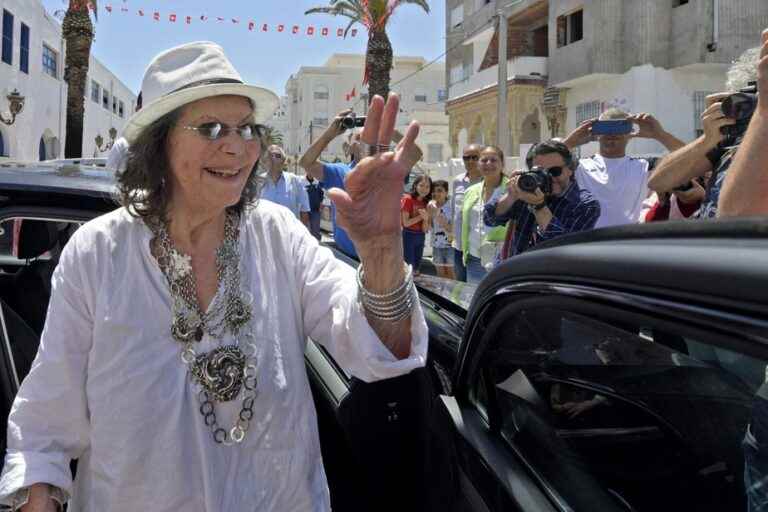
(308, 160)
(692, 161)
(650, 128)
(581, 135)
(745, 191)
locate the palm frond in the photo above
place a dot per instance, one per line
(351, 23)
(421, 3)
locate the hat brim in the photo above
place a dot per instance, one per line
(265, 102)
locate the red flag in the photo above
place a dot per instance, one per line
(141, 13)
(219, 18)
(251, 25)
(265, 28)
(353, 93)
(310, 30)
(189, 20)
(234, 20)
(295, 29)
(347, 97)
(203, 17)
(340, 32)
(280, 27)
(156, 16)
(108, 8)
(172, 18)
(324, 31)
(354, 32)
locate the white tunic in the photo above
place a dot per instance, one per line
(108, 386)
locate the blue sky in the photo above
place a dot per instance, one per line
(125, 42)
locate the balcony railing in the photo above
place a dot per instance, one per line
(520, 66)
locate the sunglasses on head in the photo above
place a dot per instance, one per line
(468, 158)
(217, 131)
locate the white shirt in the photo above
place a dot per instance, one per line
(620, 185)
(108, 385)
(289, 191)
(118, 155)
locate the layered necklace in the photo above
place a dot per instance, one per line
(223, 373)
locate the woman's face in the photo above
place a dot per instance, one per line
(423, 187)
(211, 174)
(490, 163)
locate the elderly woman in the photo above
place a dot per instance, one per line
(171, 365)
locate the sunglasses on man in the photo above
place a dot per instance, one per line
(216, 131)
(469, 158)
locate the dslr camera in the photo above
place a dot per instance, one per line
(352, 121)
(537, 177)
(739, 106)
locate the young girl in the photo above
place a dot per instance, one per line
(413, 209)
(440, 215)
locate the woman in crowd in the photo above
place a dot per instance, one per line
(172, 361)
(441, 229)
(415, 218)
(480, 244)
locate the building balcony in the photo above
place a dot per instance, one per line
(518, 67)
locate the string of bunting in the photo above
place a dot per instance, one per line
(308, 30)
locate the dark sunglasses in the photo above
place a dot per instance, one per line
(217, 131)
(555, 171)
(468, 158)
(276, 156)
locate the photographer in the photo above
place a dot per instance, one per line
(745, 189)
(681, 203)
(543, 203)
(618, 182)
(715, 150)
(331, 175)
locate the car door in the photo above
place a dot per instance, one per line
(594, 398)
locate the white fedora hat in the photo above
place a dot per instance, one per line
(188, 73)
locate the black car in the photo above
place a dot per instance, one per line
(616, 370)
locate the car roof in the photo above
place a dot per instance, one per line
(714, 261)
(66, 177)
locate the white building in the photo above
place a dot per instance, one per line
(32, 54)
(317, 94)
(279, 120)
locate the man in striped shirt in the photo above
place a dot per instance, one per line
(536, 216)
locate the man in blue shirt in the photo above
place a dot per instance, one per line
(538, 216)
(332, 175)
(283, 187)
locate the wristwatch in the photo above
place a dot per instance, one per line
(533, 208)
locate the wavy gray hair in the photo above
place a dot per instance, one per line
(743, 70)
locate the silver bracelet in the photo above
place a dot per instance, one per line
(374, 149)
(392, 306)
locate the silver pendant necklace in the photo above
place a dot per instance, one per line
(229, 370)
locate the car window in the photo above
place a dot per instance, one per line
(6, 237)
(657, 420)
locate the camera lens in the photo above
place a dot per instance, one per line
(739, 106)
(348, 122)
(528, 182)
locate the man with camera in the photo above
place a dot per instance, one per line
(543, 203)
(331, 175)
(618, 182)
(745, 189)
(724, 122)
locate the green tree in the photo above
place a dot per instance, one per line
(78, 32)
(374, 16)
(272, 136)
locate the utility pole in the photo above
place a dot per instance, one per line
(502, 124)
(310, 132)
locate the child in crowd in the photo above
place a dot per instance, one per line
(440, 215)
(413, 209)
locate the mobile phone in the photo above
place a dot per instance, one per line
(612, 127)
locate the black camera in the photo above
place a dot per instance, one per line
(352, 121)
(739, 106)
(538, 177)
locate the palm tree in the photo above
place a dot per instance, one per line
(77, 30)
(373, 15)
(272, 136)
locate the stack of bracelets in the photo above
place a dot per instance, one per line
(391, 306)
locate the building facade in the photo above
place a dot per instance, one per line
(317, 94)
(32, 62)
(569, 60)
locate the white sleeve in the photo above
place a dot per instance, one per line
(333, 317)
(49, 423)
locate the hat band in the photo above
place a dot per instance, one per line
(210, 81)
